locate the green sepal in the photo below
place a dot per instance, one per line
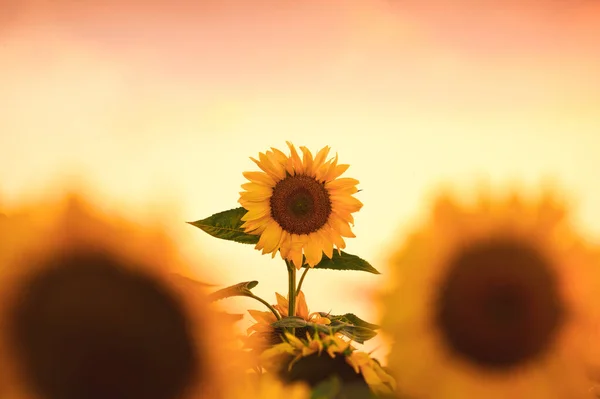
(227, 225)
(345, 261)
(240, 289)
(356, 333)
(350, 318)
(287, 322)
(352, 326)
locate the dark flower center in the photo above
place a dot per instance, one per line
(300, 204)
(499, 305)
(314, 369)
(85, 327)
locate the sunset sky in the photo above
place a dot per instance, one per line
(155, 106)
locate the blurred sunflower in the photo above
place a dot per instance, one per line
(263, 335)
(321, 357)
(89, 306)
(266, 386)
(493, 301)
(299, 206)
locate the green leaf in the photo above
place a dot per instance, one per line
(352, 326)
(227, 225)
(350, 318)
(358, 334)
(241, 289)
(345, 261)
(294, 321)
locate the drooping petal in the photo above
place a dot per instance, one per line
(326, 241)
(340, 226)
(263, 317)
(313, 250)
(301, 306)
(269, 238)
(282, 303)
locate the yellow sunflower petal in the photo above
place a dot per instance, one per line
(255, 192)
(313, 250)
(277, 158)
(345, 215)
(297, 258)
(340, 226)
(337, 239)
(320, 159)
(347, 201)
(274, 169)
(341, 184)
(295, 341)
(307, 160)
(269, 238)
(259, 178)
(264, 317)
(336, 171)
(252, 186)
(279, 155)
(295, 163)
(282, 304)
(255, 209)
(326, 240)
(301, 306)
(256, 226)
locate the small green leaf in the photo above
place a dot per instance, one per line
(352, 326)
(241, 289)
(350, 318)
(294, 321)
(345, 261)
(227, 225)
(358, 334)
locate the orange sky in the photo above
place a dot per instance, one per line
(157, 105)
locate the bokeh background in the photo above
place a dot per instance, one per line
(153, 108)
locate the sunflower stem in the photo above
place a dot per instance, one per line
(302, 280)
(271, 308)
(291, 291)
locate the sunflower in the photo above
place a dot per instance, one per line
(89, 306)
(493, 300)
(261, 334)
(320, 357)
(299, 206)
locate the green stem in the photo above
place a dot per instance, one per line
(291, 290)
(302, 280)
(271, 308)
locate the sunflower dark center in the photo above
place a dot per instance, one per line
(300, 204)
(85, 327)
(499, 305)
